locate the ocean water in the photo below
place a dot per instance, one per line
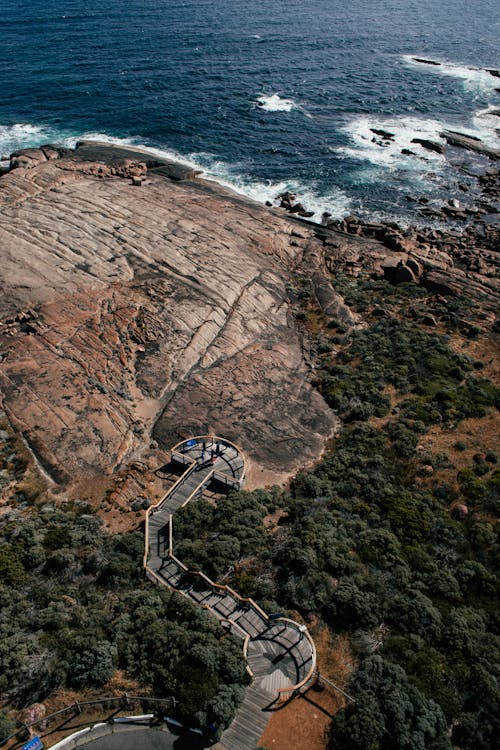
(263, 96)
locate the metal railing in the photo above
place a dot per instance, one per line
(246, 602)
(124, 701)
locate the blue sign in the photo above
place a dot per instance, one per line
(190, 443)
(34, 744)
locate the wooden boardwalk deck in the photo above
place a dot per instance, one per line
(280, 653)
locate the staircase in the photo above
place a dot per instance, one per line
(279, 654)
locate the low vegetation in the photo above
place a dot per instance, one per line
(76, 606)
(372, 541)
(376, 546)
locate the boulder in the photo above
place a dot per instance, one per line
(384, 133)
(415, 266)
(50, 152)
(429, 145)
(331, 302)
(429, 320)
(399, 273)
(440, 283)
(27, 158)
(394, 241)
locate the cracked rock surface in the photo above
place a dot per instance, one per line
(155, 311)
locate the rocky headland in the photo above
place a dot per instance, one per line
(142, 304)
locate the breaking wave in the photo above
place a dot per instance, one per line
(334, 201)
(21, 135)
(274, 103)
(480, 79)
(395, 134)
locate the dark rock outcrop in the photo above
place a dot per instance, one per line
(470, 143)
(429, 145)
(424, 61)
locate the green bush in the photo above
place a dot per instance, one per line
(7, 726)
(86, 610)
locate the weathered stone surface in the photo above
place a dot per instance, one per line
(162, 311)
(27, 158)
(463, 264)
(157, 312)
(471, 143)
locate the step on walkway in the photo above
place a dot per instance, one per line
(280, 653)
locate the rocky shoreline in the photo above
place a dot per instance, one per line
(143, 304)
(457, 255)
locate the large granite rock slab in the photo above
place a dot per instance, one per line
(155, 311)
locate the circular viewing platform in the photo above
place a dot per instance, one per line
(211, 451)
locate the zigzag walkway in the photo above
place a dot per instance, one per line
(280, 653)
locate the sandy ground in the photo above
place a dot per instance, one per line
(257, 477)
(303, 724)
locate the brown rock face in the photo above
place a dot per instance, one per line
(159, 311)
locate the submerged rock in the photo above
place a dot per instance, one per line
(424, 61)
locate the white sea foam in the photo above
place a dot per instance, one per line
(335, 202)
(386, 152)
(473, 78)
(486, 123)
(367, 145)
(230, 176)
(20, 135)
(275, 103)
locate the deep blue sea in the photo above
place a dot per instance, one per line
(263, 95)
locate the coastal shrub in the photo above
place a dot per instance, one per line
(413, 612)
(390, 713)
(90, 663)
(7, 725)
(212, 537)
(392, 352)
(477, 728)
(425, 667)
(86, 610)
(12, 572)
(351, 607)
(437, 402)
